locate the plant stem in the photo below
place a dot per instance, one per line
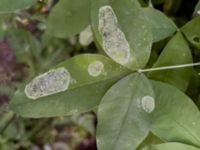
(168, 67)
(42, 124)
(8, 123)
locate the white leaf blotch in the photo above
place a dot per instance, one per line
(96, 68)
(148, 104)
(86, 36)
(114, 41)
(49, 83)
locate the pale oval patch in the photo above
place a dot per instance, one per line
(115, 43)
(86, 36)
(198, 12)
(148, 104)
(51, 82)
(96, 68)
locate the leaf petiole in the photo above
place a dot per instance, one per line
(168, 67)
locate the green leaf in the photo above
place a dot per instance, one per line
(124, 113)
(192, 32)
(122, 30)
(162, 26)
(8, 6)
(171, 146)
(68, 18)
(176, 52)
(175, 118)
(197, 8)
(88, 83)
(150, 139)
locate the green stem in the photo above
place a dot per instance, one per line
(169, 67)
(8, 123)
(42, 124)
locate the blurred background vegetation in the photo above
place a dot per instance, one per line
(27, 50)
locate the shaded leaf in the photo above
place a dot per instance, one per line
(197, 8)
(192, 32)
(150, 139)
(162, 26)
(68, 18)
(158, 1)
(171, 146)
(8, 6)
(122, 31)
(84, 92)
(124, 113)
(176, 52)
(175, 118)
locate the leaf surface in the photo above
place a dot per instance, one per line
(68, 18)
(176, 52)
(85, 90)
(192, 32)
(122, 31)
(171, 146)
(124, 113)
(162, 27)
(175, 118)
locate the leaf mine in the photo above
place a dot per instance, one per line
(115, 43)
(96, 68)
(148, 104)
(51, 82)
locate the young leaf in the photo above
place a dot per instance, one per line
(171, 146)
(176, 52)
(8, 6)
(192, 32)
(83, 80)
(162, 26)
(68, 18)
(124, 113)
(175, 118)
(122, 31)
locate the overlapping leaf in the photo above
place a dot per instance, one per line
(131, 21)
(84, 93)
(162, 26)
(123, 114)
(175, 118)
(192, 32)
(171, 146)
(150, 139)
(68, 18)
(176, 52)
